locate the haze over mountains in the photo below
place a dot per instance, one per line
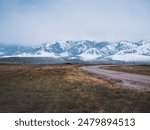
(82, 50)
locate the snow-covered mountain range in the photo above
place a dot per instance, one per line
(83, 50)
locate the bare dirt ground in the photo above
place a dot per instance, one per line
(136, 81)
(64, 88)
(135, 69)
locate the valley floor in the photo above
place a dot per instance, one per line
(64, 88)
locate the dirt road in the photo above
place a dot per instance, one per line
(140, 82)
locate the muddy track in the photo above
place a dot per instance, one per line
(136, 81)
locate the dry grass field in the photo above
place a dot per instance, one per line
(64, 88)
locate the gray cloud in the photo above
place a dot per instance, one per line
(37, 21)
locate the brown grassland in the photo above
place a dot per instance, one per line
(64, 88)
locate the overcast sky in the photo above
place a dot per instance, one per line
(38, 21)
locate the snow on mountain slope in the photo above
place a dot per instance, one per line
(144, 49)
(64, 54)
(123, 45)
(130, 57)
(83, 50)
(43, 53)
(90, 54)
